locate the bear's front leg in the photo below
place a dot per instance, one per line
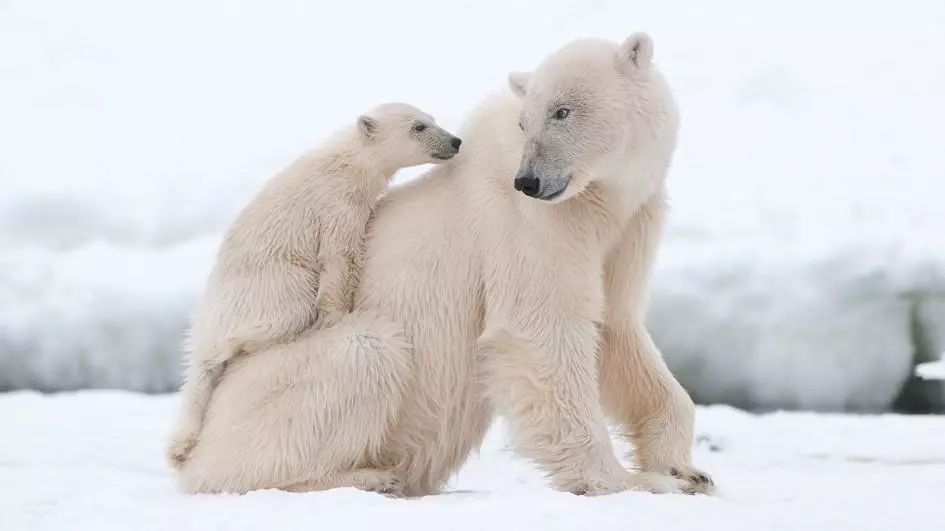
(640, 393)
(548, 393)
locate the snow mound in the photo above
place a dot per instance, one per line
(772, 329)
(100, 315)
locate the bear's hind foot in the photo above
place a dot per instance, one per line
(366, 479)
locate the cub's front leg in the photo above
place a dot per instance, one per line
(335, 288)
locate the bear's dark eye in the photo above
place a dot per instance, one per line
(419, 127)
(520, 126)
(562, 113)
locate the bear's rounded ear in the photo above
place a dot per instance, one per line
(517, 82)
(367, 126)
(636, 52)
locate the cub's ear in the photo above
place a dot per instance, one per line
(367, 126)
(518, 81)
(636, 53)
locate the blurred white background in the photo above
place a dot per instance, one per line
(804, 265)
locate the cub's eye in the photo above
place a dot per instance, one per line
(419, 127)
(562, 113)
(520, 126)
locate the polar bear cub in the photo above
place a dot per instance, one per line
(290, 261)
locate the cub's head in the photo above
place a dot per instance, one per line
(403, 136)
(589, 112)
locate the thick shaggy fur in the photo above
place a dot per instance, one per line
(509, 304)
(290, 261)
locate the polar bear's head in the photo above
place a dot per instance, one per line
(589, 112)
(400, 135)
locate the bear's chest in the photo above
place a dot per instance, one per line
(528, 280)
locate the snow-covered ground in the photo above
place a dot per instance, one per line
(933, 370)
(93, 460)
(805, 253)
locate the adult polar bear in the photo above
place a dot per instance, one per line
(476, 298)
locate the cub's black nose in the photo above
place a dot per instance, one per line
(528, 184)
(455, 142)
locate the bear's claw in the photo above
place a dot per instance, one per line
(693, 480)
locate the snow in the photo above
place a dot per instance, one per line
(807, 188)
(933, 370)
(93, 460)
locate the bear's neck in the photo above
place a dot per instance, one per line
(628, 186)
(601, 212)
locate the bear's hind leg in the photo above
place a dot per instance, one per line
(302, 415)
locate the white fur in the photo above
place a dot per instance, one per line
(290, 260)
(532, 309)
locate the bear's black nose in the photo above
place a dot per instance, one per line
(455, 142)
(528, 184)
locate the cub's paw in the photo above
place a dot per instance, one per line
(327, 318)
(178, 450)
